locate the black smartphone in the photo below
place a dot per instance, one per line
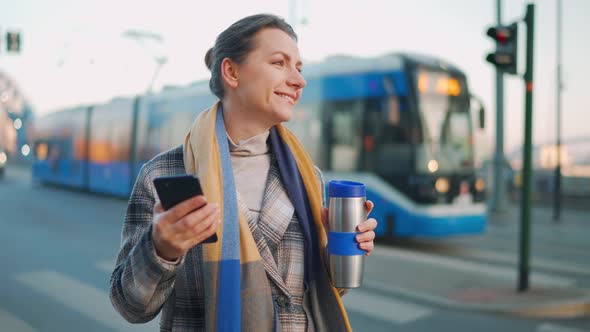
(175, 189)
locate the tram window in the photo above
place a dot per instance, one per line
(390, 151)
(305, 124)
(120, 141)
(41, 149)
(375, 118)
(395, 122)
(346, 134)
(175, 129)
(168, 123)
(456, 138)
(343, 129)
(111, 136)
(393, 111)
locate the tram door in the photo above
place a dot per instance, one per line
(374, 125)
(344, 124)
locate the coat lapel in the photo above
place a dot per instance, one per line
(276, 212)
(269, 227)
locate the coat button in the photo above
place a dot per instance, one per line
(282, 301)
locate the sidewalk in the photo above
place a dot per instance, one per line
(541, 215)
(456, 283)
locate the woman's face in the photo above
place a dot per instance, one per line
(269, 79)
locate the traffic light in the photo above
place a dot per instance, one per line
(13, 41)
(506, 55)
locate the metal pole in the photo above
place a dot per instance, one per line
(159, 63)
(497, 203)
(557, 193)
(525, 225)
(139, 37)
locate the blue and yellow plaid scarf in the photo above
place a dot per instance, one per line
(237, 293)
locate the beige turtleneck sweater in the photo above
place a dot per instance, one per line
(250, 159)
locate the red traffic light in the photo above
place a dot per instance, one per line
(504, 58)
(500, 34)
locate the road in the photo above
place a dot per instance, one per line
(58, 249)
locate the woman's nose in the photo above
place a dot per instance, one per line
(297, 80)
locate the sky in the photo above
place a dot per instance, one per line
(77, 52)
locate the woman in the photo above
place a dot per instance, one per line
(262, 198)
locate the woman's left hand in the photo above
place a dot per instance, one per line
(366, 229)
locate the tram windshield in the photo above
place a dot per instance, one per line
(443, 106)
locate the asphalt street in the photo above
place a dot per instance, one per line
(57, 250)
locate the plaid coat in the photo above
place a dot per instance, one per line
(142, 285)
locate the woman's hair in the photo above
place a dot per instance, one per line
(236, 42)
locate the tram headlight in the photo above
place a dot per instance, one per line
(3, 158)
(480, 185)
(432, 166)
(442, 185)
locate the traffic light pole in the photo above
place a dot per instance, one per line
(497, 204)
(557, 193)
(525, 222)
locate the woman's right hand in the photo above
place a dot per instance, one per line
(184, 226)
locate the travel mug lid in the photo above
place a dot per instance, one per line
(347, 189)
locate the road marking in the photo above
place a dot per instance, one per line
(387, 287)
(539, 263)
(472, 267)
(106, 266)
(10, 322)
(548, 327)
(536, 246)
(383, 308)
(87, 300)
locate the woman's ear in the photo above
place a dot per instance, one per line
(229, 72)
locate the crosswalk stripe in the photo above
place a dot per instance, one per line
(87, 300)
(547, 327)
(471, 267)
(356, 300)
(383, 308)
(536, 262)
(10, 322)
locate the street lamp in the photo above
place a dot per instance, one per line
(140, 37)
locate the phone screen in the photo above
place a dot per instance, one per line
(173, 190)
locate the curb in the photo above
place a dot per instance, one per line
(579, 307)
(569, 309)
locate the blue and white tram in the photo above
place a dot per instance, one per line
(399, 123)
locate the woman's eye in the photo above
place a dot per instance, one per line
(280, 62)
